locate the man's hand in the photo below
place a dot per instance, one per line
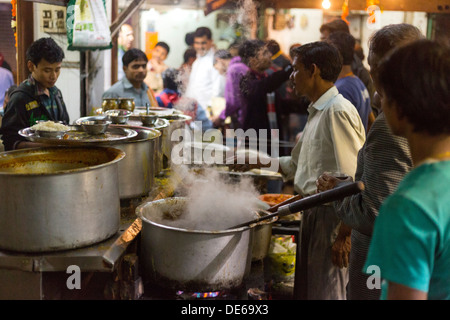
(217, 122)
(340, 251)
(327, 181)
(247, 162)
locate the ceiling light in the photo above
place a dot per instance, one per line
(326, 4)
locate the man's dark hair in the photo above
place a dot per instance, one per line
(324, 55)
(345, 43)
(133, 54)
(391, 36)
(203, 31)
(416, 77)
(164, 45)
(273, 46)
(189, 38)
(249, 49)
(221, 54)
(334, 26)
(170, 79)
(44, 48)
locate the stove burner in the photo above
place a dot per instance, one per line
(199, 295)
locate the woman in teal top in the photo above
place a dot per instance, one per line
(411, 239)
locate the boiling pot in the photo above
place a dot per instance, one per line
(191, 260)
(137, 169)
(58, 198)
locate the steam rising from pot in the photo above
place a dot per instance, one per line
(214, 202)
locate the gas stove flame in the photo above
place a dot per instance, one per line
(200, 295)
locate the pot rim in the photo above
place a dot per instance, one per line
(139, 213)
(119, 156)
(157, 133)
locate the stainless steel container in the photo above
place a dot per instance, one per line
(163, 126)
(137, 169)
(175, 122)
(182, 259)
(58, 198)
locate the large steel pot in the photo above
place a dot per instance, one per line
(137, 169)
(192, 260)
(163, 126)
(58, 198)
(176, 122)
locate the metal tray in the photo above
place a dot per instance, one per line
(76, 136)
(159, 124)
(254, 173)
(156, 110)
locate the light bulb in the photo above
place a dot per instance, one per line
(326, 4)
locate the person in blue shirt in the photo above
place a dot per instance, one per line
(348, 84)
(132, 85)
(411, 237)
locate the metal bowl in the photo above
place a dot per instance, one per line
(50, 134)
(119, 116)
(148, 119)
(95, 126)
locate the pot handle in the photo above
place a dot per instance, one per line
(344, 189)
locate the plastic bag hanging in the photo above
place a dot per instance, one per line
(87, 25)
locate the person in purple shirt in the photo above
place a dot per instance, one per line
(6, 81)
(234, 101)
(349, 85)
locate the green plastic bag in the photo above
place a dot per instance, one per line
(87, 25)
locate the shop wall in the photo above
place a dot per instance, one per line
(172, 25)
(307, 22)
(303, 29)
(69, 79)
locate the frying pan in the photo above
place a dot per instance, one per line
(344, 189)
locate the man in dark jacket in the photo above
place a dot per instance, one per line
(36, 98)
(256, 84)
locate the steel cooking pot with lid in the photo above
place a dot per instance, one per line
(58, 198)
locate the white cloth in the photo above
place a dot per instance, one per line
(204, 81)
(330, 141)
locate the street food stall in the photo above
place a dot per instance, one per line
(186, 232)
(124, 235)
(94, 228)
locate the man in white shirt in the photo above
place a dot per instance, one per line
(330, 142)
(204, 81)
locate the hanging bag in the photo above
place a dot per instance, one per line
(87, 25)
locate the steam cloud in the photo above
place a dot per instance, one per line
(215, 203)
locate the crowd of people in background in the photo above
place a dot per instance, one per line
(387, 127)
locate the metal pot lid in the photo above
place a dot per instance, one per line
(150, 133)
(76, 136)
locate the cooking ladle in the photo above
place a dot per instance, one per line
(344, 189)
